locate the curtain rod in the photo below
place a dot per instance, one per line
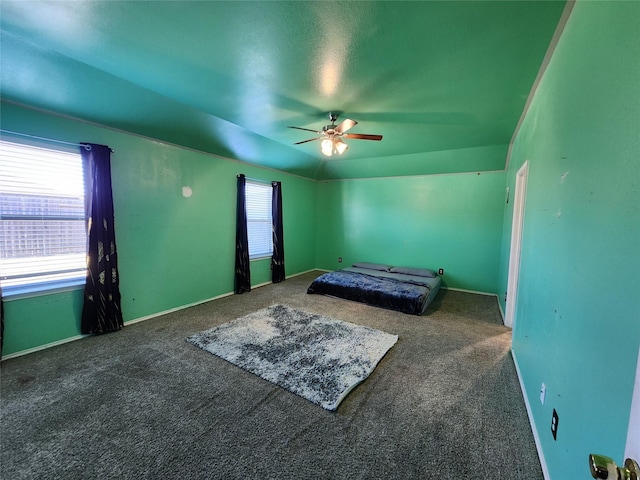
(51, 140)
(256, 180)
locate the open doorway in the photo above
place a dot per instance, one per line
(516, 243)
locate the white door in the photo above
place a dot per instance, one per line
(603, 466)
(633, 436)
(516, 243)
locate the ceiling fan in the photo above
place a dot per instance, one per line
(332, 135)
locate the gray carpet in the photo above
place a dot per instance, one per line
(143, 403)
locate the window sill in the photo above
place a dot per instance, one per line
(37, 290)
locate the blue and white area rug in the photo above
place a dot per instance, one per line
(319, 358)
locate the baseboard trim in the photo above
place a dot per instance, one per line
(479, 293)
(128, 322)
(302, 273)
(500, 308)
(469, 291)
(199, 302)
(43, 347)
(175, 309)
(135, 320)
(536, 437)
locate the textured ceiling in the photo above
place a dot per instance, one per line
(445, 83)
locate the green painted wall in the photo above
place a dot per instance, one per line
(173, 251)
(41, 320)
(577, 325)
(448, 221)
(460, 160)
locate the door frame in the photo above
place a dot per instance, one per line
(517, 226)
(632, 449)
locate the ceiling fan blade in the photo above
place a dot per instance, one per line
(310, 140)
(363, 136)
(345, 125)
(306, 130)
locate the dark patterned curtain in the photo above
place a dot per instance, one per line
(243, 273)
(277, 260)
(101, 312)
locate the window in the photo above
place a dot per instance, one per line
(42, 219)
(259, 221)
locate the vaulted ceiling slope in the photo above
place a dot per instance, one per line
(444, 82)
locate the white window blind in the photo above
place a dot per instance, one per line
(42, 219)
(259, 221)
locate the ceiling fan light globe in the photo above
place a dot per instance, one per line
(341, 147)
(326, 146)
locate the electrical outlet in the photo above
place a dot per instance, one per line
(543, 393)
(554, 424)
(441, 271)
(339, 259)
